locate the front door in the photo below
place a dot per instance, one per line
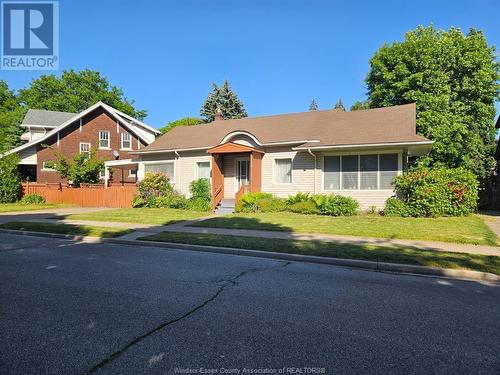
(242, 173)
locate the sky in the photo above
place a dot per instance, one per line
(277, 55)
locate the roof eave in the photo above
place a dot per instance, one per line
(364, 145)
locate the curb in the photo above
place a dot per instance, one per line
(52, 235)
(351, 263)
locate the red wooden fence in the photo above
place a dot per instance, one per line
(87, 196)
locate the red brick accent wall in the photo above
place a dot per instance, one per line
(69, 144)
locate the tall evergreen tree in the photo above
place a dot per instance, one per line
(313, 106)
(224, 98)
(339, 105)
(11, 114)
(453, 78)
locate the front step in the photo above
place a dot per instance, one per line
(226, 206)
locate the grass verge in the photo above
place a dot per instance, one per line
(402, 255)
(163, 216)
(71, 229)
(18, 207)
(467, 230)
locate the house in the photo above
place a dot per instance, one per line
(114, 133)
(355, 154)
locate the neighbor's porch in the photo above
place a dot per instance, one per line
(236, 170)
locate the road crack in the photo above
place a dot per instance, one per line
(225, 283)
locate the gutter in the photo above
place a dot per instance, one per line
(364, 145)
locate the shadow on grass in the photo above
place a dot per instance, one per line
(236, 222)
(377, 253)
(67, 229)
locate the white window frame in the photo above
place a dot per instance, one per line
(197, 169)
(173, 179)
(47, 169)
(291, 170)
(359, 153)
(131, 174)
(87, 144)
(108, 147)
(102, 175)
(121, 141)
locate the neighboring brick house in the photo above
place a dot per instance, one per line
(100, 126)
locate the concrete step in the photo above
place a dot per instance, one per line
(226, 206)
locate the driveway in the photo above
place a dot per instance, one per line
(80, 308)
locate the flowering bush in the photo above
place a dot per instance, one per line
(434, 192)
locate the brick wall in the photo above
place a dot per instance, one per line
(69, 144)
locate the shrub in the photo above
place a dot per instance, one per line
(201, 199)
(32, 199)
(154, 185)
(199, 204)
(335, 205)
(396, 207)
(298, 198)
(304, 207)
(436, 192)
(260, 202)
(200, 188)
(10, 181)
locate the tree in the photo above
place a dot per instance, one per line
(186, 121)
(357, 105)
(74, 92)
(11, 114)
(452, 78)
(10, 181)
(82, 169)
(313, 106)
(226, 100)
(339, 105)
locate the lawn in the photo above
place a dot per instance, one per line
(140, 215)
(469, 230)
(75, 230)
(404, 255)
(17, 207)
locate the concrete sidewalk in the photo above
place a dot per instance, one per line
(141, 230)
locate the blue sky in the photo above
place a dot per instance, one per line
(278, 55)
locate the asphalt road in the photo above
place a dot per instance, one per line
(76, 308)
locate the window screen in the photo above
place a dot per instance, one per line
(388, 170)
(350, 172)
(332, 173)
(368, 166)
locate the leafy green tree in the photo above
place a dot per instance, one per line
(339, 105)
(11, 114)
(83, 168)
(357, 105)
(225, 99)
(186, 121)
(453, 79)
(10, 181)
(313, 106)
(75, 91)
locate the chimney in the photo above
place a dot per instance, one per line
(218, 115)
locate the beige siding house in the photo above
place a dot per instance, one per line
(356, 154)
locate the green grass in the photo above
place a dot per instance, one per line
(140, 215)
(467, 230)
(17, 207)
(75, 230)
(404, 255)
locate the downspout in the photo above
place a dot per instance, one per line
(175, 165)
(314, 156)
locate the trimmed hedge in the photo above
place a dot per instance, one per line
(424, 192)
